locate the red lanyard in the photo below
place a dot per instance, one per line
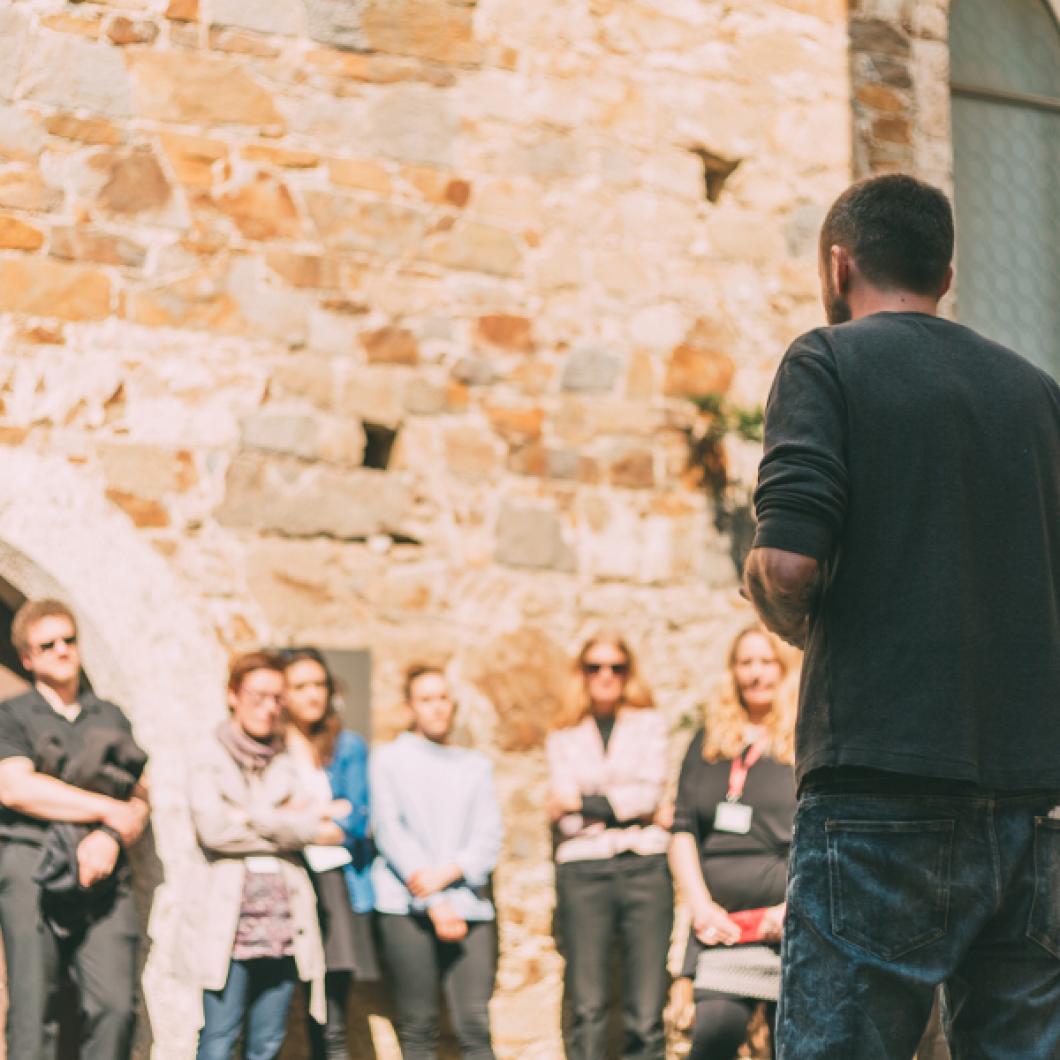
(739, 769)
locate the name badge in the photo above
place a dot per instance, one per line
(733, 817)
(261, 864)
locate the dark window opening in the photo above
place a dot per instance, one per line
(378, 445)
(716, 171)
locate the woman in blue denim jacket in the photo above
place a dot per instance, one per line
(334, 760)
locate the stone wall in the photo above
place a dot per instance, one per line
(900, 72)
(378, 321)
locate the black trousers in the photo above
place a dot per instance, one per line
(631, 897)
(721, 1025)
(101, 959)
(420, 966)
(328, 1042)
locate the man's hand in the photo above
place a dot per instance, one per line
(783, 587)
(128, 819)
(425, 882)
(773, 922)
(559, 805)
(97, 854)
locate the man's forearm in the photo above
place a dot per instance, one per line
(783, 587)
(37, 795)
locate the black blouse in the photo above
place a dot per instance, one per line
(741, 871)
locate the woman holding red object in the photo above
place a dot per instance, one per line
(732, 830)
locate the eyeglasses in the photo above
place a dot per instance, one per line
(51, 645)
(258, 699)
(618, 669)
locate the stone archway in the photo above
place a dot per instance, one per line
(144, 646)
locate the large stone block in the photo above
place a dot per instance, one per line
(336, 22)
(531, 537)
(23, 188)
(199, 89)
(84, 130)
(523, 675)
(17, 235)
(701, 364)
(54, 289)
(383, 228)
(147, 471)
(77, 243)
(591, 370)
(471, 452)
(286, 17)
(21, 136)
(200, 300)
(75, 74)
(262, 209)
(390, 345)
(476, 247)
(194, 158)
(306, 435)
(414, 123)
(506, 330)
(438, 30)
(131, 183)
(285, 496)
(14, 22)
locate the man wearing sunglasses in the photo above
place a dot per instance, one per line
(100, 947)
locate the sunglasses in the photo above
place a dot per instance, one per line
(618, 669)
(51, 645)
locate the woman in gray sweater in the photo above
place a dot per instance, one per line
(437, 828)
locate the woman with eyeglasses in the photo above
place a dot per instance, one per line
(437, 827)
(332, 763)
(249, 929)
(607, 759)
(732, 831)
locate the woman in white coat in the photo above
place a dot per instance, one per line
(249, 929)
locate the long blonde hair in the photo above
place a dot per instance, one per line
(725, 717)
(574, 703)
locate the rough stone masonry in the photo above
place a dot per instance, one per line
(379, 321)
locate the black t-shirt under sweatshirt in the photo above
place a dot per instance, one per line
(920, 464)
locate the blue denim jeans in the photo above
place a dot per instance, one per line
(892, 894)
(257, 993)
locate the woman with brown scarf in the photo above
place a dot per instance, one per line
(250, 926)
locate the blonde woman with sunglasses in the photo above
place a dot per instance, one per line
(607, 758)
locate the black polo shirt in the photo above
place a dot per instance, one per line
(24, 721)
(920, 464)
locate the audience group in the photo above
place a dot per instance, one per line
(323, 866)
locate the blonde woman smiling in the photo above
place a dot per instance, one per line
(732, 830)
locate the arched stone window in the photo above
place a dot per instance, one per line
(1005, 90)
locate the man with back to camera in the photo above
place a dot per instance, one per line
(101, 945)
(909, 537)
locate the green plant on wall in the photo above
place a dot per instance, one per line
(719, 418)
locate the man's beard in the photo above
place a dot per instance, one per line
(836, 306)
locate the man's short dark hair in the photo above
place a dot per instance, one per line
(898, 229)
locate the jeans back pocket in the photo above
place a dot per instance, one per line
(1043, 925)
(890, 883)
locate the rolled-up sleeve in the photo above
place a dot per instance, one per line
(801, 499)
